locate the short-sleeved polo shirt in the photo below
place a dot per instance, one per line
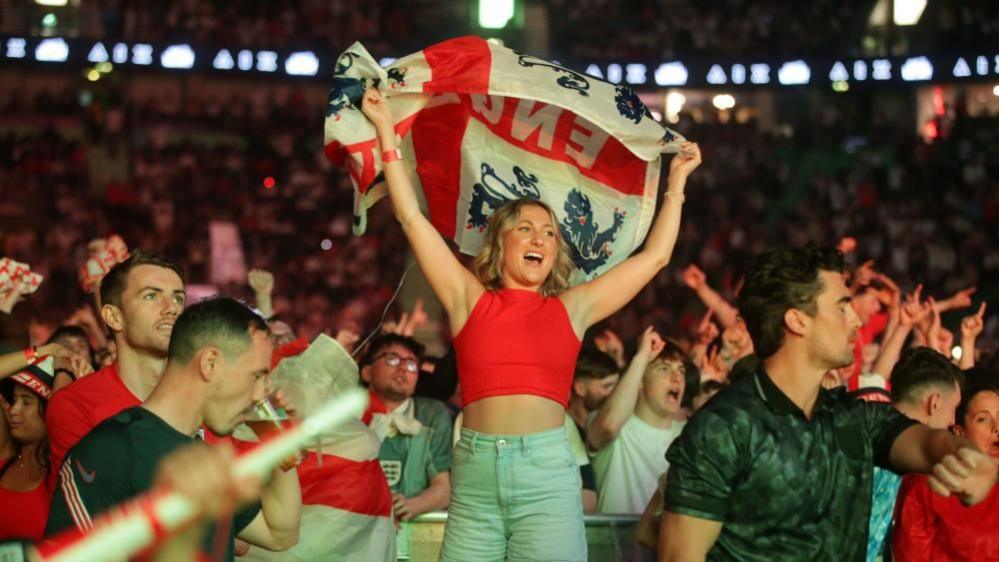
(785, 487)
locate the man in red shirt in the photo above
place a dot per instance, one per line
(141, 298)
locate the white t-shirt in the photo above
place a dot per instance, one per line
(576, 441)
(628, 469)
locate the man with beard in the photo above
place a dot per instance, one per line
(593, 381)
(218, 361)
(775, 467)
(415, 432)
(142, 297)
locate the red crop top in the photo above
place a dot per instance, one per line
(516, 342)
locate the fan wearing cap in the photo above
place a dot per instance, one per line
(24, 493)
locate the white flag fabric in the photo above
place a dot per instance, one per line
(481, 124)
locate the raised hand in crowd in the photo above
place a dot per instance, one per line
(712, 366)
(847, 244)
(15, 361)
(694, 278)
(85, 319)
(609, 342)
(348, 338)
(620, 405)
(70, 369)
(906, 317)
(957, 301)
(736, 343)
(418, 317)
(262, 283)
(697, 281)
(408, 322)
(912, 311)
(706, 333)
(971, 327)
(863, 275)
(937, 337)
(890, 295)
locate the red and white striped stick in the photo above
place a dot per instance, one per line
(146, 521)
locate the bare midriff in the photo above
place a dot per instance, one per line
(514, 414)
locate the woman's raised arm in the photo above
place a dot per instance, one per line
(597, 299)
(456, 287)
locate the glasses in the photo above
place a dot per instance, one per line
(393, 360)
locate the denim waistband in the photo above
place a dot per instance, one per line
(478, 440)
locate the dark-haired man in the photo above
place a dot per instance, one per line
(777, 468)
(926, 386)
(594, 379)
(415, 432)
(218, 361)
(142, 297)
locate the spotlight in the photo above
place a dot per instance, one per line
(723, 101)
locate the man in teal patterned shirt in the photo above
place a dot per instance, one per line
(777, 468)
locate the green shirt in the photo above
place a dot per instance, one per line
(411, 461)
(115, 462)
(785, 488)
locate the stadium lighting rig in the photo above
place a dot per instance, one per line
(697, 72)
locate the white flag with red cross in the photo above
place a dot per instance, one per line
(481, 124)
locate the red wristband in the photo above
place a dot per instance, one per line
(391, 156)
(30, 354)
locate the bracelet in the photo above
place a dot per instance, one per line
(30, 354)
(391, 155)
(675, 196)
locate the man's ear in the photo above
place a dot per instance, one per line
(796, 321)
(933, 403)
(113, 317)
(579, 388)
(366, 374)
(209, 363)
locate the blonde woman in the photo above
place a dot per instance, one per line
(517, 326)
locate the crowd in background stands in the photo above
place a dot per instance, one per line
(919, 210)
(384, 26)
(656, 29)
(629, 29)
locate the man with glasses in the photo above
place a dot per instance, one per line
(415, 432)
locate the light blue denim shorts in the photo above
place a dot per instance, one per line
(514, 497)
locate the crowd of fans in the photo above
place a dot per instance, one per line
(912, 216)
(629, 30)
(917, 209)
(656, 29)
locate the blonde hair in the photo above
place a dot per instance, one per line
(488, 265)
